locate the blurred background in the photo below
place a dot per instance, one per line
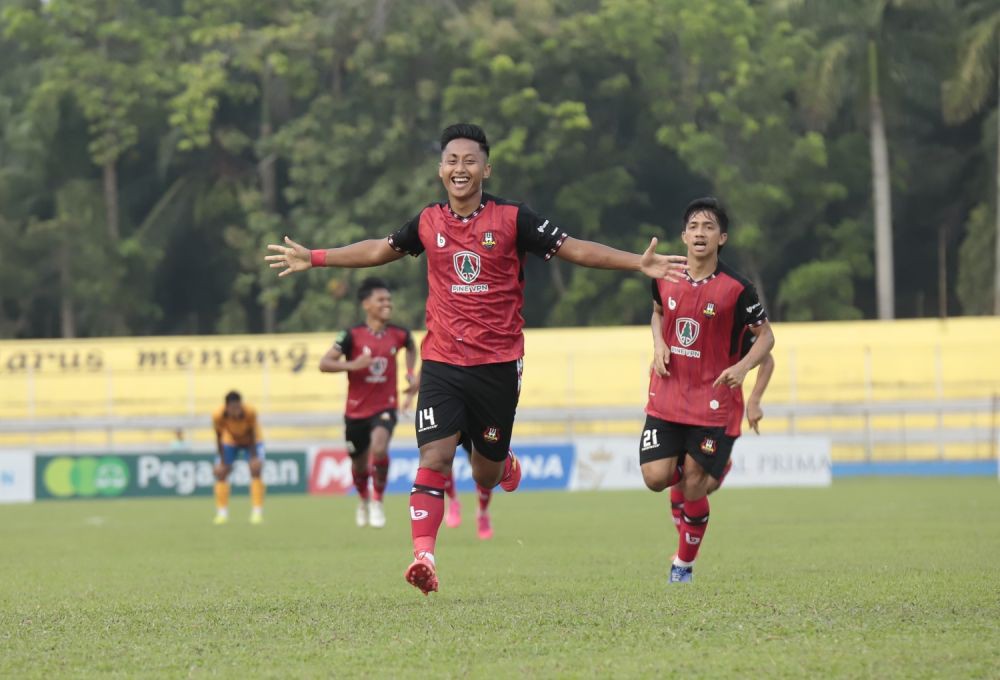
(149, 149)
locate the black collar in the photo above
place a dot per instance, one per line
(464, 220)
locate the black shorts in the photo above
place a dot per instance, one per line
(358, 431)
(709, 446)
(479, 401)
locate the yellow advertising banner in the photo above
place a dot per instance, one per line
(564, 368)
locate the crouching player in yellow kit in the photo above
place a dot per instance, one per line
(237, 432)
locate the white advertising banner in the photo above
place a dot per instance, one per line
(766, 461)
(780, 461)
(17, 477)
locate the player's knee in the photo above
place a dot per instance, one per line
(486, 479)
(221, 472)
(654, 479)
(256, 465)
(379, 453)
(437, 460)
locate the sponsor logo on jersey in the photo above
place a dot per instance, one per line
(488, 241)
(691, 540)
(417, 515)
(709, 310)
(708, 446)
(491, 435)
(468, 266)
(671, 303)
(687, 331)
(440, 240)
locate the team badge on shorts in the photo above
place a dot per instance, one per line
(709, 310)
(491, 435)
(708, 446)
(488, 241)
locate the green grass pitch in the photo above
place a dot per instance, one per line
(871, 578)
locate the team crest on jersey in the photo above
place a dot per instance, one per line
(687, 331)
(709, 310)
(708, 446)
(378, 366)
(488, 241)
(491, 435)
(467, 266)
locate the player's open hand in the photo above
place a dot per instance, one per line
(290, 257)
(670, 267)
(661, 359)
(731, 377)
(754, 414)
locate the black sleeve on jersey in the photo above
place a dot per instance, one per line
(537, 235)
(345, 342)
(406, 239)
(407, 338)
(749, 310)
(656, 292)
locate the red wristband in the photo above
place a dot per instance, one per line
(318, 258)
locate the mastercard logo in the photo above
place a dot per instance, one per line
(85, 476)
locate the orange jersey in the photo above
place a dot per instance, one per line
(237, 431)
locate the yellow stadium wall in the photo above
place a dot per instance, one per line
(564, 368)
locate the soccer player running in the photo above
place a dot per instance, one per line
(237, 433)
(695, 405)
(472, 354)
(754, 415)
(367, 352)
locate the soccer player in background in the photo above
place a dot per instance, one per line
(695, 406)
(472, 354)
(367, 352)
(237, 432)
(754, 415)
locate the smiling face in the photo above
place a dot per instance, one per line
(463, 168)
(703, 235)
(378, 305)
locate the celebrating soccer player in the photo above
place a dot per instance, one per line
(472, 354)
(237, 432)
(367, 352)
(695, 406)
(754, 415)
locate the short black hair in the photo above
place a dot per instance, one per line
(233, 397)
(708, 204)
(369, 286)
(466, 131)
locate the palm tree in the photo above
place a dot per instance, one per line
(968, 93)
(849, 34)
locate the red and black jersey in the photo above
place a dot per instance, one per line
(373, 390)
(704, 323)
(475, 277)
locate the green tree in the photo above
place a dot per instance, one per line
(968, 93)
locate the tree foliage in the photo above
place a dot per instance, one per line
(149, 149)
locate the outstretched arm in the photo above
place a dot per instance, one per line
(292, 257)
(600, 256)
